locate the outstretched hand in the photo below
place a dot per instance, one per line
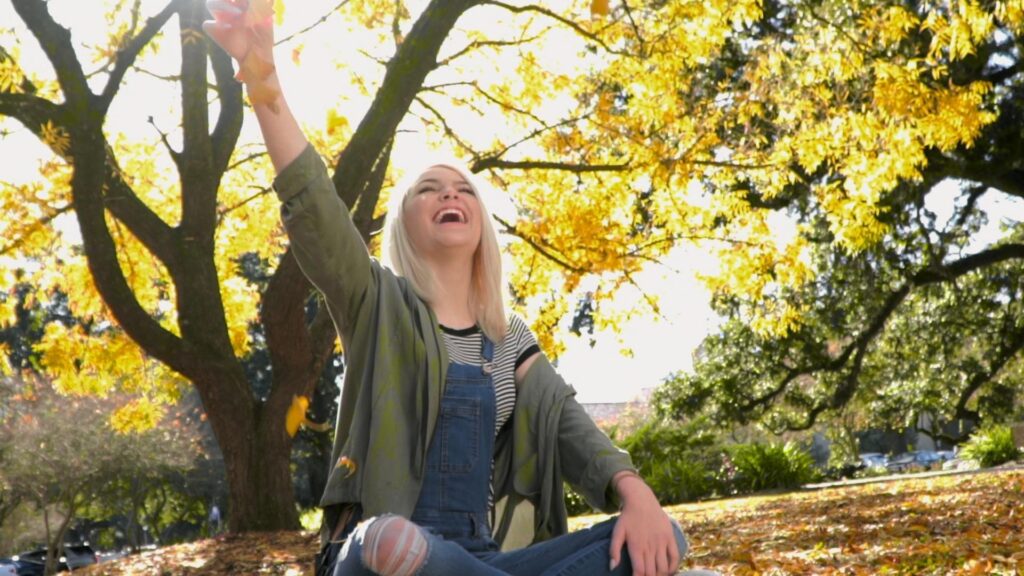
(245, 30)
(645, 530)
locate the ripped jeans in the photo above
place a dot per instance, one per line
(583, 553)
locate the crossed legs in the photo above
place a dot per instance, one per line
(390, 545)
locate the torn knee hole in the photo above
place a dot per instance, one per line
(394, 546)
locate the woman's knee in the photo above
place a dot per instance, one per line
(393, 546)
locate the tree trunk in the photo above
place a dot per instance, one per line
(256, 449)
(260, 488)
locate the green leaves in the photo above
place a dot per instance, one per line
(991, 446)
(773, 465)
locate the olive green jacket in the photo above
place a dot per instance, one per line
(394, 377)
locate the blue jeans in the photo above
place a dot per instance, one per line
(583, 553)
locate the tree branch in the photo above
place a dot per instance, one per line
(567, 22)
(144, 224)
(33, 113)
(477, 44)
(537, 132)
(260, 192)
(55, 41)
(26, 85)
(968, 264)
(315, 23)
(507, 106)
(859, 345)
(542, 250)
(444, 126)
(362, 214)
(126, 56)
(999, 172)
(1001, 75)
(198, 177)
(1010, 346)
(229, 120)
(414, 59)
(490, 163)
(101, 252)
(94, 171)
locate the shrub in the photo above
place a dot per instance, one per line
(674, 459)
(991, 446)
(680, 480)
(311, 518)
(767, 466)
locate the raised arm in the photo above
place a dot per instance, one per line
(324, 241)
(255, 45)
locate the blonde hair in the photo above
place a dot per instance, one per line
(487, 289)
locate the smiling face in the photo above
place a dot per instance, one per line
(442, 214)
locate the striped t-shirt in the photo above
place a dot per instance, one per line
(464, 347)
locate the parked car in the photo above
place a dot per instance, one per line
(8, 567)
(72, 557)
(112, 555)
(79, 555)
(873, 459)
(27, 567)
(918, 460)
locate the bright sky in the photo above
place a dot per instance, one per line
(599, 373)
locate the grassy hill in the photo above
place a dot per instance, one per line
(965, 524)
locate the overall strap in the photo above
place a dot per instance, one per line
(487, 354)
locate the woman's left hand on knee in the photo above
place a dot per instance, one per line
(645, 531)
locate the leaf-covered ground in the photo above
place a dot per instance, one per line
(965, 524)
(289, 553)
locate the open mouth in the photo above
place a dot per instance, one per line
(450, 216)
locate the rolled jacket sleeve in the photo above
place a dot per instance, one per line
(556, 440)
(324, 241)
(588, 458)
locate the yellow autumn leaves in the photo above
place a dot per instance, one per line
(841, 95)
(653, 96)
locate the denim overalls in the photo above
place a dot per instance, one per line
(453, 508)
(454, 500)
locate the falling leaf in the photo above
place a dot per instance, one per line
(296, 414)
(349, 464)
(599, 8)
(278, 12)
(336, 123)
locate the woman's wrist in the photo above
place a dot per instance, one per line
(627, 483)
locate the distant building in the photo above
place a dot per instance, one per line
(607, 414)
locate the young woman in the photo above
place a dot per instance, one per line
(453, 427)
